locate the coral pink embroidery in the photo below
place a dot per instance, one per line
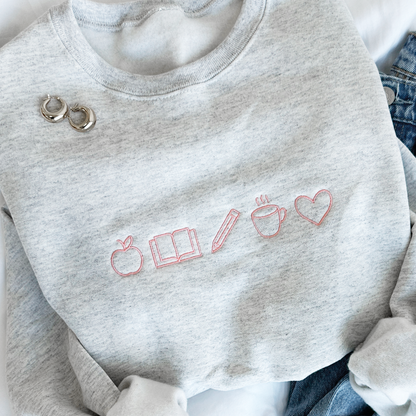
(268, 219)
(127, 245)
(262, 201)
(176, 247)
(310, 212)
(225, 229)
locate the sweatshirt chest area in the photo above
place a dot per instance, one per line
(181, 224)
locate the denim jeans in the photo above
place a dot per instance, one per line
(400, 87)
(328, 392)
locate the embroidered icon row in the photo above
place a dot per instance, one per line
(183, 244)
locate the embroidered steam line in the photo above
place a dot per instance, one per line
(182, 244)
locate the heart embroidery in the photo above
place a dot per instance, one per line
(315, 214)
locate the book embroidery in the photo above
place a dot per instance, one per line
(175, 247)
(268, 219)
(182, 244)
(225, 229)
(125, 256)
(316, 209)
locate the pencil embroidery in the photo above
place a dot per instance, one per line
(225, 229)
(268, 219)
(175, 247)
(134, 256)
(183, 244)
(314, 209)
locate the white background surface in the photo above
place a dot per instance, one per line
(383, 26)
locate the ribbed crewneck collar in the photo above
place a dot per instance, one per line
(69, 15)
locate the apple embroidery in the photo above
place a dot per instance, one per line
(268, 219)
(122, 258)
(314, 209)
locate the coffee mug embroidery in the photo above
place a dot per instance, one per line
(182, 244)
(268, 219)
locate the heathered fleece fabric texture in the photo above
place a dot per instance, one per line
(239, 214)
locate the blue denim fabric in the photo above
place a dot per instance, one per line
(402, 80)
(328, 392)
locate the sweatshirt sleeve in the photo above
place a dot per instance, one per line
(49, 372)
(383, 367)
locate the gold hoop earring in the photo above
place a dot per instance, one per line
(54, 116)
(89, 121)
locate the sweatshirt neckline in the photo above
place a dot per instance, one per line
(67, 16)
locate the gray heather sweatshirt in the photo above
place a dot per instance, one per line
(240, 213)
